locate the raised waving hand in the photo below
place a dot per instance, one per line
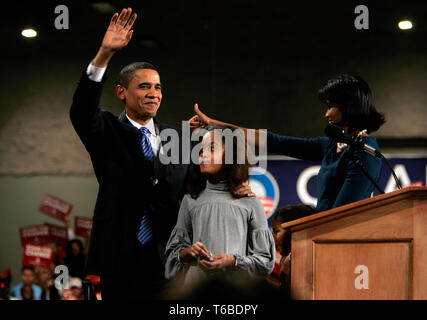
(117, 36)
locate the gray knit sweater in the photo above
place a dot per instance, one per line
(224, 224)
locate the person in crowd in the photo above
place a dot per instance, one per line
(5, 280)
(76, 288)
(44, 279)
(215, 231)
(138, 198)
(75, 291)
(349, 105)
(282, 240)
(27, 293)
(27, 275)
(75, 258)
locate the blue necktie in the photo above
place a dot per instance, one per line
(145, 233)
(146, 145)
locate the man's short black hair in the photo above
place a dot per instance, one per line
(128, 72)
(353, 97)
(27, 268)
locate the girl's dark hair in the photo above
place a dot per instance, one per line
(292, 212)
(236, 172)
(353, 97)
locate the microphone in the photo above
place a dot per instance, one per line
(338, 134)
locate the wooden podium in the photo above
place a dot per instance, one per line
(371, 249)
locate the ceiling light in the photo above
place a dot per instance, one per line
(103, 7)
(405, 25)
(29, 33)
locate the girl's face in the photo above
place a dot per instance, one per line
(282, 238)
(211, 156)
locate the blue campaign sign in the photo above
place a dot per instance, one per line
(289, 181)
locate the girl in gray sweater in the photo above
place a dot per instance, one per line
(215, 231)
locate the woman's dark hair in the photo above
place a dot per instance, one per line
(23, 295)
(292, 212)
(353, 97)
(69, 249)
(235, 172)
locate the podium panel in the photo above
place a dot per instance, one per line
(371, 249)
(372, 270)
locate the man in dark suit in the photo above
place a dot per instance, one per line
(138, 198)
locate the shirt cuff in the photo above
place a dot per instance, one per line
(236, 257)
(95, 73)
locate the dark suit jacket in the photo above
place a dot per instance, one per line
(125, 180)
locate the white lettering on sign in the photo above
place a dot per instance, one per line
(403, 176)
(34, 251)
(35, 232)
(60, 233)
(83, 223)
(54, 203)
(302, 184)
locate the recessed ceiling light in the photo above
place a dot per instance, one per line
(29, 33)
(405, 25)
(103, 7)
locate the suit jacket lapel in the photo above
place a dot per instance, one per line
(131, 136)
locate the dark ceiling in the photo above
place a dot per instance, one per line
(250, 62)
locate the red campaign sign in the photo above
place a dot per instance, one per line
(96, 280)
(39, 234)
(58, 234)
(82, 226)
(37, 256)
(55, 207)
(6, 274)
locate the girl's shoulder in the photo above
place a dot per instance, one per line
(188, 201)
(251, 203)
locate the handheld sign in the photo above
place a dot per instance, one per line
(58, 234)
(39, 234)
(35, 255)
(82, 226)
(55, 207)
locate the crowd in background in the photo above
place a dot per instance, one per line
(38, 283)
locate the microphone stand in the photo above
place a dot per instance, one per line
(359, 163)
(337, 133)
(373, 152)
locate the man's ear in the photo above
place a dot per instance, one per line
(120, 91)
